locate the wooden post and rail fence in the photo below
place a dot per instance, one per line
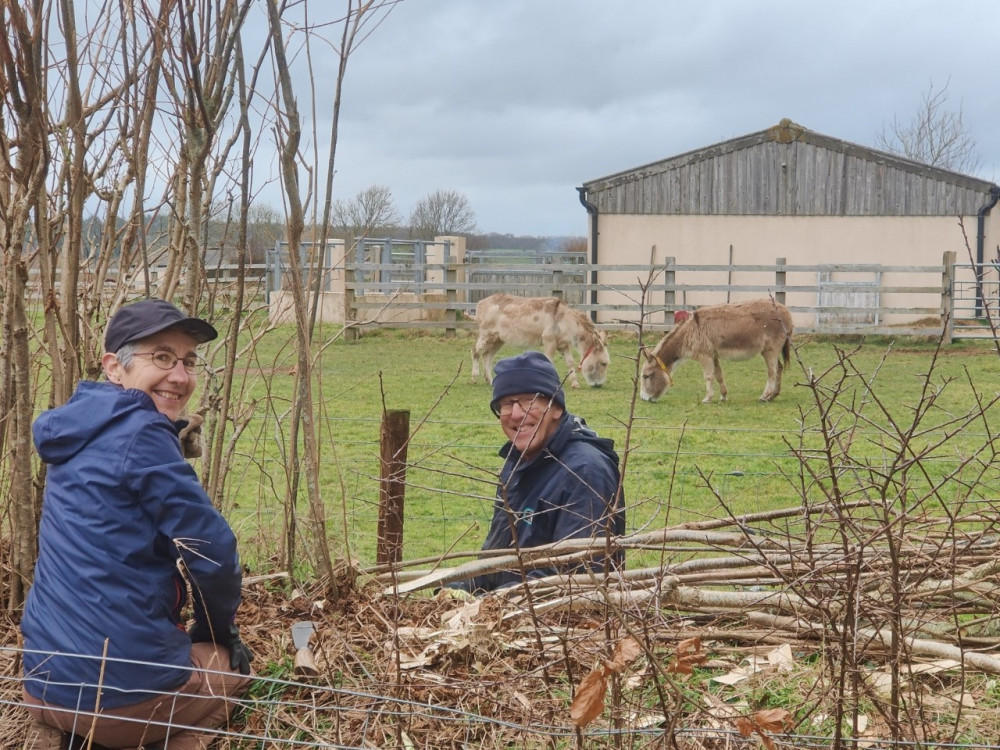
(949, 300)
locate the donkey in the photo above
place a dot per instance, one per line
(736, 332)
(545, 322)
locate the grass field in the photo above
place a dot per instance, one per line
(685, 460)
(883, 422)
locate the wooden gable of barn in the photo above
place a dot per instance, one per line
(788, 170)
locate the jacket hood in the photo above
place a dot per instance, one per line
(571, 429)
(62, 432)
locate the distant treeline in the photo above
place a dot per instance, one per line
(264, 231)
(525, 242)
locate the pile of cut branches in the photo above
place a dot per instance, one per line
(745, 630)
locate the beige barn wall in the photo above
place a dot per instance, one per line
(760, 240)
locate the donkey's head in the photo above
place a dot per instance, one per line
(656, 376)
(595, 360)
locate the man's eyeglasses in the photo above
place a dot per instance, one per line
(536, 402)
(168, 360)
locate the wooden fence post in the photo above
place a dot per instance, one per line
(451, 313)
(392, 486)
(729, 278)
(947, 298)
(779, 281)
(557, 283)
(350, 304)
(669, 296)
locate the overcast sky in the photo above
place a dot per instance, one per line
(515, 103)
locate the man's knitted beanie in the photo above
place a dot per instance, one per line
(531, 372)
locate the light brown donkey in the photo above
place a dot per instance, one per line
(735, 331)
(546, 322)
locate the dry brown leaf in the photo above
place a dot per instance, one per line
(744, 726)
(689, 645)
(589, 701)
(773, 719)
(626, 652)
(768, 720)
(689, 654)
(678, 666)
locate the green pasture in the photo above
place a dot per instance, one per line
(686, 460)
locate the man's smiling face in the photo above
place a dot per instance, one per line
(529, 420)
(170, 389)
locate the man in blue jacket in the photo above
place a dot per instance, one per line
(124, 522)
(559, 479)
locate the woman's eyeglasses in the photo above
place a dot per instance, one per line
(168, 360)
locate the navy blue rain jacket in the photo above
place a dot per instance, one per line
(568, 491)
(121, 507)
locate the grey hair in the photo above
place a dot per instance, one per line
(126, 354)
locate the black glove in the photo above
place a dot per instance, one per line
(239, 654)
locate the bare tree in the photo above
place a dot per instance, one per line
(24, 150)
(199, 74)
(358, 14)
(442, 212)
(935, 135)
(126, 146)
(370, 209)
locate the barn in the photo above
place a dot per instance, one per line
(790, 195)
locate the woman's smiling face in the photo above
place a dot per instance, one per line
(170, 389)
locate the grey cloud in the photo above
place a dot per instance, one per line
(516, 102)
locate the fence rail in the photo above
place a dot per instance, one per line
(950, 299)
(827, 298)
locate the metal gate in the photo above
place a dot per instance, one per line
(526, 267)
(384, 266)
(972, 298)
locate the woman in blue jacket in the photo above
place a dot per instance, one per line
(124, 522)
(559, 479)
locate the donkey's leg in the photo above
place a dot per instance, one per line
(483, 353)
(773, 386)
(567, 352)
(723, 393)
(551, 347)
(476, 354)
(708, 371)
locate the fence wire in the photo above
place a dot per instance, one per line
(283, 714)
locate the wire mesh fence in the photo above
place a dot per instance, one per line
(286, 714)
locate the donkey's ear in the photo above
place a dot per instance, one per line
(645, 350)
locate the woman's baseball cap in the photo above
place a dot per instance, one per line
(149, 316)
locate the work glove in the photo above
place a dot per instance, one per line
(190, 436)
(239, 654)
